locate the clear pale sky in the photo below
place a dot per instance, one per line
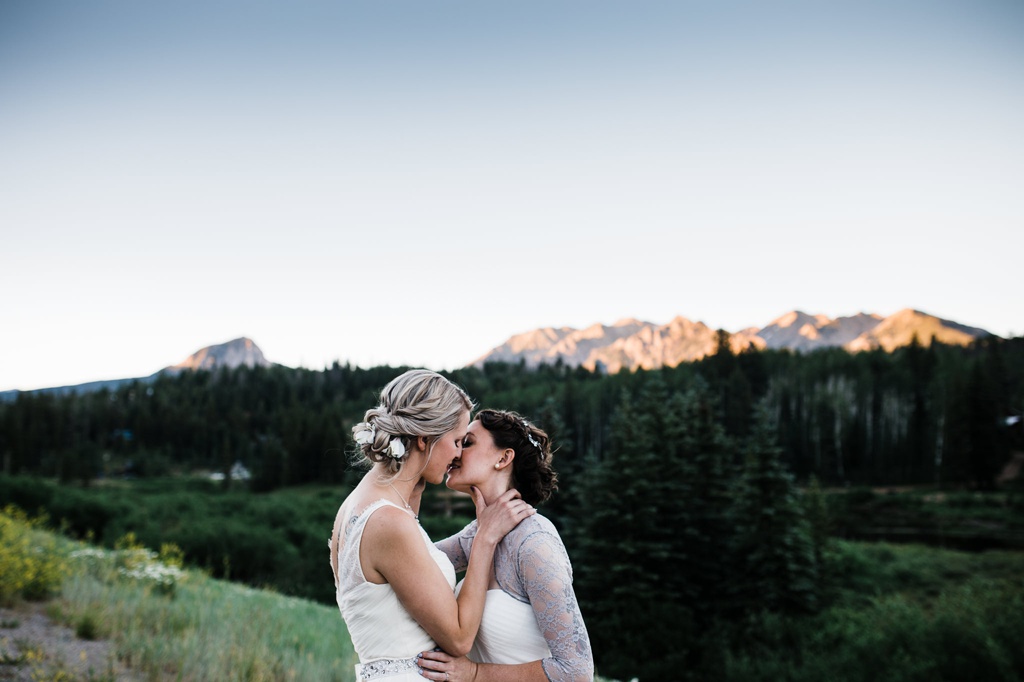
(414, 181)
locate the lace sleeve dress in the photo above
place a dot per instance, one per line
(535, 614)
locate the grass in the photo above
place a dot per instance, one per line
(897, 614)
(960, 519)
(23, 653)
(969, 632)
(861, 571)
(169, 623)
(206, 629)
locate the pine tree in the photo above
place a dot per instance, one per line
(629, 552)
(920, 362)
(818, 519)
(988, 449)
(706, 502)
(775, 547)
(655, 532)
(565, 461)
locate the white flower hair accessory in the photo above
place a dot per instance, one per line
(364, 433)
(396, 449)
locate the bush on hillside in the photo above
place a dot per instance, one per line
(31, 564)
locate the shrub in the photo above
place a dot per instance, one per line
(87, 627)
(25, 492)
(31, 564)
(161, 572)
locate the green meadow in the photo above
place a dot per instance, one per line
(895, 613)
(169, 623)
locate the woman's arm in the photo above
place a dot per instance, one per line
(437, 665)
(547, 577)
(393, 547)
(453, 548)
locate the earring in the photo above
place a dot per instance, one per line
(497, 466)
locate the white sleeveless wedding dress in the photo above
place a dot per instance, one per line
(384, 635)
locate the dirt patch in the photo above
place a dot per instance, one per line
(34, 647)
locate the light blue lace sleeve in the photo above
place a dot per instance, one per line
(458, 546)
(531, 564)
(546, 576)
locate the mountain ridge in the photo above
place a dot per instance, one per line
(644, 345)
(629, 343)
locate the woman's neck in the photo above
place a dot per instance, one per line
(494, 488)
(410, 492)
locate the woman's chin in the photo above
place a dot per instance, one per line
(457, 485)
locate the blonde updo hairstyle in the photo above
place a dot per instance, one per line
(417, 404)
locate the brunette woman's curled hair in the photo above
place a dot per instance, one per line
(532, 473)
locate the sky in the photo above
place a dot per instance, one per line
(411, 182)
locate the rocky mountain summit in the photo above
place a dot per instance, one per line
(799, 331)
(632, 344)
(235, 353)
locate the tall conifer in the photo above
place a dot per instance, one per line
(629, 541)
(776, 557)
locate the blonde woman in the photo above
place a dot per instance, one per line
(532, 626)
(395, 590)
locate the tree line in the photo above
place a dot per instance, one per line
(932, 414)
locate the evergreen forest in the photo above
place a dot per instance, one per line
(700, 504)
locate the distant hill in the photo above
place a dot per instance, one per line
(234, 353)
(631, 344)
(898, 330)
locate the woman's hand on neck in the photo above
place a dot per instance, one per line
(493, 489)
